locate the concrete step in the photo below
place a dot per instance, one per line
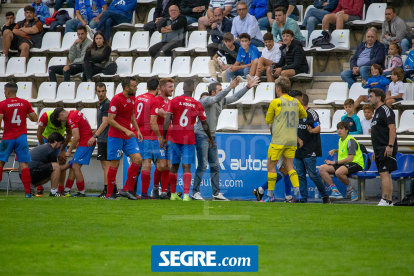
(316, 94)
(346, 66)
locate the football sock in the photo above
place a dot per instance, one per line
(333, 187)
(145, 179)
(131, 175)
(61, 188)
(173, 182)
(40, 188)
(271, 179)
(165, 181)
(81, 186)
(264, 187)
(111, 180)
(187, 182)
(349, 187)
(53, 191)
(1, 173)
(157, 178)
(26, 180)
(69, 184)
(294, 178)
(261, 190)
(288, 184)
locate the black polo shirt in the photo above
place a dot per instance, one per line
(311, 142)
(380, 133)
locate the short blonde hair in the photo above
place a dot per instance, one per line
(283, 83)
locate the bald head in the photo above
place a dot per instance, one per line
(218, 15)
(174, 12)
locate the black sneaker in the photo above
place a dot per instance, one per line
(112, 197)
(79, 194)
(179, 194)
(155, 193)
(326, 200)
(39, 193)
(57, 194)
(103, 194)
(164, 196)
(132, 193)
(32, 192)
(258, 195)
(128, 195)
(65, 193)
(302, 28)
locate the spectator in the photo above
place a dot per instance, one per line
(366, 122)
(41, 10)
(396, 90)
(96, 57)
(395, 61)
(366, 54)
(376, 80)
(119, 11)
(246, 23)
(228, 10)
(346, 11)
(290, 7)
(76, 57)
(87, 13)
(9, 22)
(314, 16)
(293, 60)
(223, 59)
(69, 3)
(282, 22)
(351, 118)
(26, 34)
(173, 31)
(247, 54)
(271, 54)
(258, 9)
(219, 27)
(193, 9)
(161, 11)
(407, 43)
(394, 28)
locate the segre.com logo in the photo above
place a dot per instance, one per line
(205, 258)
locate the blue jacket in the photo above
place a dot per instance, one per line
(330, 7)
(354, 124)
(41, 11)
(377, 55)
(382, 82)
(258, 8)
(127, 7)
(216, 35)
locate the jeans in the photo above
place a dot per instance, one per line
(191, 20)
(350, 78)
(405, 45)
(313, 18)
(165, 47)
(58, 70)
(240, 72)
(204, 154)
(59, 4)
(72, 25)
(264, 22)
(308, 164)
(110, 19)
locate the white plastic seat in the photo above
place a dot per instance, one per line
(300, 22)
(15, 65)
(119, 89)
(404, 58)
(336, 118)
(130, 24)
(68, 40)
(199, 68)
(247, 98)
(19, 15)
(32, 125)
(360, 115)
(305, 35)
(52, 62)
(36, 65)
(337, 92)
(2, 96)
(121, 41)
(150, 15)
(198, 39)
(340, 38)
(142, 88)
(200, 89)
(204, 50)
(66, 91)
(124, 67)
(181, 65)
(142, 65)
(307, 75)
(49, 40)
(24, 90)
(162, 65)
(86, 90)
(406, 121)
(47, 90)
(109, 93)
(265, 92)
(409, 99)
(91, 116)
(356, 91)
(139, 40)
(397, 117)
(375, 14)
(228, 120)
(179, 89)
(155, 38)
(324, 119)
(300, 9)
(2, 65)
(313, 35)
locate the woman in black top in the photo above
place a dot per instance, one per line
(96, 57)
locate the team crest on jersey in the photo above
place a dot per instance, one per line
(376, 116)
(113, 108)
(128, 100)
(351, 123)
(156, 110)
(304, 119)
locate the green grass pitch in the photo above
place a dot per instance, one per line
(92, 236)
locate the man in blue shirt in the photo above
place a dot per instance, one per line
(87, 13)
(247, 54)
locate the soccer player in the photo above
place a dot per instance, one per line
(160, 155)
(120, 117)
(184, 111)
(14, 112)
(283, 115)
(82, 133)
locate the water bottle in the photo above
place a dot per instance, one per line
(316, 193)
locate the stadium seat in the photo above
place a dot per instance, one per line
(142, 65)
(360, 115)
(24, 89)
(409, 99)
(85, 91)
(121, 41)
(155, 38)
(404, 58)
(199, 68)
(49, 40)
(2, 96)
(162, 65)
(325, 119)
(119, 89)
(228, 120)
(200, 89)
(181, 65)
(336, 118)
(47, 90)
(19, 15)
(300, 22)
(2, 65)
(340, 39)
(198, 39)
(68, 40)
(179, 89)
(139, 40)
(356, 91)
(150, 14)
(203, 50)
(130, 24)
(15, 65)
(247, 98)
(313, 35)
(306, 75)
(337, 92)
(300, 9)
(66, 91)
(265, 93)
(375, 14)
(142, 88)
(124, 67)
(36, 65)
(32, 125)
(405, 165)
(52, 62)
(406, 121)
(305, 34)
(91, 116)
(109, 93)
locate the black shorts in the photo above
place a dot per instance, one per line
(398, 99)
(41, 172)
(19, 40)
(351, 166)
(102, 151)
(388, 164)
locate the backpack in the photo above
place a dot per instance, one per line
(410, 60)
(323, 41)
(364, 150)
(408, 200)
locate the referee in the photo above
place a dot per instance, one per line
(384, 141)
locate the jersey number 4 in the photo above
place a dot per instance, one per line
(16, 118)
(290, 120)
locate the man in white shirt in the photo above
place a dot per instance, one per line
(247, 23)
(271, 54)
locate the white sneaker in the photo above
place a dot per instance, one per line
(197, 196)
(384, 203)
(296, 191)
(220, 197)
(90, 31)
(210, 80)
(288, 198)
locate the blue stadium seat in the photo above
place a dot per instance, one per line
(405, 170)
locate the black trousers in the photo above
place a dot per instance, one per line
(165, 47)
(89, 70)
(58, 70)
(212, 49)
(150, 27)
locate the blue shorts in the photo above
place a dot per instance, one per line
(158, 153)
(45, 141)
(145, 148)
(83, 155)
(181, 153)
(118, 145)
(20, 147)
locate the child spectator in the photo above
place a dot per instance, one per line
(396, 90)
(351, 118)
(376, 80)
(366, 123)
(409, 66)
(41, 10)
(395, 61)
